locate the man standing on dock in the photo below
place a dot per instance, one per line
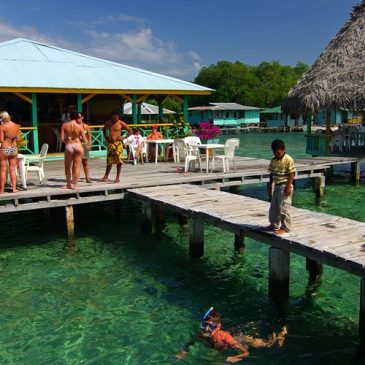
(282, 173)
(113, 135)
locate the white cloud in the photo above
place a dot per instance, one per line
(136, 47)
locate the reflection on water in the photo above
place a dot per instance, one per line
(126, 298)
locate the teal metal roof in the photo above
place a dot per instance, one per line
(29, 64)
(275, 109)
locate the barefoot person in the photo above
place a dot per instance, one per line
(282, 172)
(87, 147)
(113, 135)
(213, 335)
(72, 134)
(9, 135)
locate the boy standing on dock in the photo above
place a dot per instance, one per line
(282, 173)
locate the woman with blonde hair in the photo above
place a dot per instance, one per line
(9, 136)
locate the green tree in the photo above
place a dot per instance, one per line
(264, 85)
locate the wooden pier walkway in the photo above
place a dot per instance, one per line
(329, 239)
(49, 195)
(320, 238)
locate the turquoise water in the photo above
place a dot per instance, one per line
(127, 298)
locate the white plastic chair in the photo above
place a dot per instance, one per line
(230, 147)
(337, 141)
(133, 150)
(35, 163)
(192, 154)
(58, 139)
(179, 146)
(192, 140)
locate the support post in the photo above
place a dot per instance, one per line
(185, 108)
(146, 224)
(278, 274)
(355, 170)
(182, 219)
(362, 314)
(79, 103)
(319, 184)
(35, 123)
(70, 223)
(315, 270)
(196, 247)
(160, 112)
(134, 109)
(160, 218)
(239, 242)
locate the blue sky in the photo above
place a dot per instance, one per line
(178, 37)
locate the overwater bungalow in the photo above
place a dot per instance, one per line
(275, 117)
(335, 82)
(225, 114)
(37, 81)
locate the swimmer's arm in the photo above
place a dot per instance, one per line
(1, 135)
(180, 355)
(236, 358)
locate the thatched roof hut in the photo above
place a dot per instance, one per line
(337, 78)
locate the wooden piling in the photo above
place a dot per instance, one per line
(355, 170)
(196, 246)
(278, 274)
(239, 242)
(319, 184)
(160, 217)
(314, 268)
(182, 219)
(70, 223)
(362, 314)
(146, 224)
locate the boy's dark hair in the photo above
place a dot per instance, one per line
(74, 114)
(277, 144)
(135, 130)
(215, 316)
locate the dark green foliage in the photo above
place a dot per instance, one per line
(264, 85)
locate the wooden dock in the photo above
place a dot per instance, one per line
(50, 195)
(320, 238)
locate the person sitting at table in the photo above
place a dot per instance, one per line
(136, 142)
(155, 134)
(9, 136)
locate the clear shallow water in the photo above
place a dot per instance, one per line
(126, 298)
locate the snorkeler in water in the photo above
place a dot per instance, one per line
(213, 335)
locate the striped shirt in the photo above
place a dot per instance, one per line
(281, 169)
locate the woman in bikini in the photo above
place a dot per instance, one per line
(72, 134)
(86, 146)
(9, 135)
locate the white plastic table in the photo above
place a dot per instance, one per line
(21, 160)
(210, 150)
(164, 142)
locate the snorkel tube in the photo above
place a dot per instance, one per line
(204, 324)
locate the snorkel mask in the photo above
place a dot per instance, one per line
(206, 325)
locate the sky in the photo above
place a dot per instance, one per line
(179, 37)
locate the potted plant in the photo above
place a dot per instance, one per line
(179, 129)
(208, 132)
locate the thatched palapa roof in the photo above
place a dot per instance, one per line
(336, 80)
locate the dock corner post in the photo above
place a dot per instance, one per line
(355, 170)
(320, 183)
(70, 222)
(196, 245)
(279, 262)
(239, 242)
(182, 219)
(160, 218)
(362, 314)
(146, 224)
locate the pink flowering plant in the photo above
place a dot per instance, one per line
(206, 130)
